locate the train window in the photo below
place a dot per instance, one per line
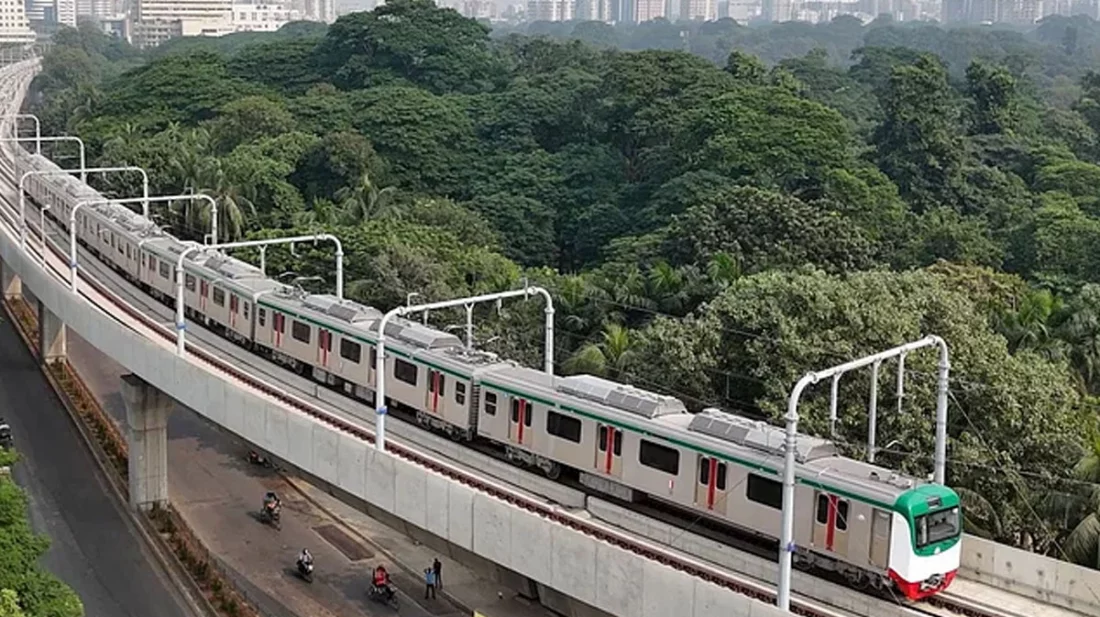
(262, 316)
(163, 270)
(659, 457)
(350, 350)
(618, 445)
(120, 249)
(565, 427)
(280, 322)
(764, 491)
(373, 358)
(245, 310)
(822, 509)
(720, 483)
(143, 260)
(460, 393)
(527, 411)
(189, 282)
(704, 470)
(842, 515)
(300, 331)
(490, 404)
(404, 371)
(219, 296)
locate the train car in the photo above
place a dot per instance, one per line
(451, 402)
(862, 521)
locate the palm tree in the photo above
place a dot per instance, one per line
(1030, 325)
(608, 358)
(1082, 546)
(365, 201)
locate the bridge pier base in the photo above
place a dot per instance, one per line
(52, 341)
(147, 435)
(10, 281)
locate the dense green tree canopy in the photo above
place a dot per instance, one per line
(717, 208)
(26, 590)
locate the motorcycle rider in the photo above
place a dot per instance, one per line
(305, 559)
(382, 582)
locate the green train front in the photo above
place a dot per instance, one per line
(925, 540)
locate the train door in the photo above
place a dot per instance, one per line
(233, 306)
(204, 292)
(519, 424)
(278, 323)
(880, 539)
(710, 490)
(831, 523)
(324, 346)
(609, 451)
(435, 399)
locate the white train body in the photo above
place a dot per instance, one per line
(860, 520)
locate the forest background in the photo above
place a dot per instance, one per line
(717, 209)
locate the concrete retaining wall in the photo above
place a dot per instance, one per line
(606, 577)
(1027, 574)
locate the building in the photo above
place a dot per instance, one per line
(647, 10)
(594, 10)
(320, 10)
(262, 17)
(65, 10)
(706, 10)
(778, 10)
(14, 27)
(549, 10)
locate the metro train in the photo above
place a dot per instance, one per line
(869, 524)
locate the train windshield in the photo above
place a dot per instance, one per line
(937, 527)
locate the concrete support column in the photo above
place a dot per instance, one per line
(10, 281)
(147, 435)
(51, 336)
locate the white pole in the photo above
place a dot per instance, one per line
(380, 380)
(786, 542)
(72, 244)
(42, 230)
(469, 327)
(181, 322)
(832, 404)
(901, 383)
(872, 422)
(940, 470)
(263, 260)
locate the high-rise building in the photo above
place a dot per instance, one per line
(779, 10)
(594, 10)
(66, 12)
(184, 10)
(262, 17)
(321, 10)
(648, 10)
(14, 27)
(706, 10)
(549, 10)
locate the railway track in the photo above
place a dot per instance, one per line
(105, 298)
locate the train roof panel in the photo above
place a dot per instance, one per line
(418, 335)
(526, 379)
(757, 435)
(470, 359)
(344, 310)
(867, 475)
(228, 267)
(620, 396)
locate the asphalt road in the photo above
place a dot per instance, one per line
(94, 545)
(218, 493)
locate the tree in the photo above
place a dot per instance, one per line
(248, 119)
(994, 100)
(610, 358)
(918, 145)
(25, 588)
(1083, 543)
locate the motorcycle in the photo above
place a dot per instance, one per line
(5, 435)
(269, 514)
(305, 570)
(386, 595)
(256, 458)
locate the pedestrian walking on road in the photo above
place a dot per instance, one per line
(429, 580)
(438, 569)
